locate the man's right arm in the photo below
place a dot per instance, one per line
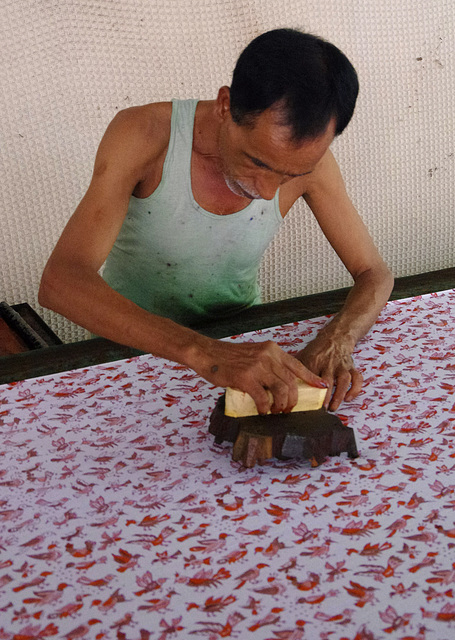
(72, 286)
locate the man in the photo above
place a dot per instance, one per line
(184, 198)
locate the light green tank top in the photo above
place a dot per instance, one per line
(174, 258)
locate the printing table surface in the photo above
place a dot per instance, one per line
(120, 517)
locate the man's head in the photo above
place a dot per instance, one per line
(308, 80)
(291, 94)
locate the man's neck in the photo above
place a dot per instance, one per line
(209, 184)
(206, 130)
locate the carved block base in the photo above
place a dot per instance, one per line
(312, 435)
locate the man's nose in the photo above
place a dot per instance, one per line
(268, 186)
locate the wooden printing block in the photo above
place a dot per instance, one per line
(312, 435)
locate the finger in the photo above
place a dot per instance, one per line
(343, 383)
(262, 397)
(304, 374)
(280, 398)
(282, 382)
(328, 395)
(285, 395)
(284, 390)
(356, 385)
(293, 395)
(299, 372)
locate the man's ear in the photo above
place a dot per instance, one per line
(223, 103)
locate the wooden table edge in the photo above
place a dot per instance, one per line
(76, 355)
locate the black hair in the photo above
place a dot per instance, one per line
(309, 77)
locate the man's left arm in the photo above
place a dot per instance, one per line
(329, 355)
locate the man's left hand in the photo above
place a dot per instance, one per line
(333, 362)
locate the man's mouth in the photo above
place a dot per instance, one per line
(249, 195)
(237, 188)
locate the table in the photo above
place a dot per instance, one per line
(120, 517)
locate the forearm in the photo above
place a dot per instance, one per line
(84, 297)
(361, 309)
(330, 353)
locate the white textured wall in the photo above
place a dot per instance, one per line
(67, 66)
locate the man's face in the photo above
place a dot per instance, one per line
(256, 160)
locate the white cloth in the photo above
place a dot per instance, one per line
(119, 514)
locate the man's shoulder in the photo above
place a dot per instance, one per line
(136, 139)
(149, 123)
(324, 178)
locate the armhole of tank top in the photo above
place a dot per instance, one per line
(276, 207)
(170, 149)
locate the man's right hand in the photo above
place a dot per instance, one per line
(256, 367)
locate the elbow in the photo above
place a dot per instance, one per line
(385, 282)
(378, 279)
(44, 295)
(50, 289)
(64, 286)
(389, 280)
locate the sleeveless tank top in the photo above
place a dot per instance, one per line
(174, 258)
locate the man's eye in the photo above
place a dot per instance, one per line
(259, 164)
